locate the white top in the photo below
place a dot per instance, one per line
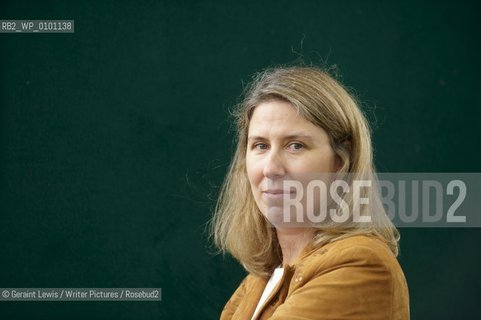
(273, 281)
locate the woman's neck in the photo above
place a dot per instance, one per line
(292, 241)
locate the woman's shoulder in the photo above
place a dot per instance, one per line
(358, 250)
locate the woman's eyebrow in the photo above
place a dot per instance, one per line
(288, 137)
(298, 136)
(255, 138)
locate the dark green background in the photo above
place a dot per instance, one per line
(114, 139)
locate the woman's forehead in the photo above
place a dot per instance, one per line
(280, 118)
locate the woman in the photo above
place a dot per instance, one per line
(293, 122)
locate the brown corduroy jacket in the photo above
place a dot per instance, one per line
(353, 278)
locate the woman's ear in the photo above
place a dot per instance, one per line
(338, 163)
(347, 145)
(343, 152)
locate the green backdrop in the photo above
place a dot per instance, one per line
(115, 139)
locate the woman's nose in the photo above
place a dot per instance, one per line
(274, 166)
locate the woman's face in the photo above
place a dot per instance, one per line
(283, 145)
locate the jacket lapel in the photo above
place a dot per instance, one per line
(252, 296)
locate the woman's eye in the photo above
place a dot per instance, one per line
(260, 146)
(296, 146)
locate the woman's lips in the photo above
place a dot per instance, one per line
(277, 193)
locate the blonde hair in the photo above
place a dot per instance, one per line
(238, 226)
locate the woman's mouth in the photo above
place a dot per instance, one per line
(278, 193)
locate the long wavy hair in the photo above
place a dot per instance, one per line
(237, 226)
